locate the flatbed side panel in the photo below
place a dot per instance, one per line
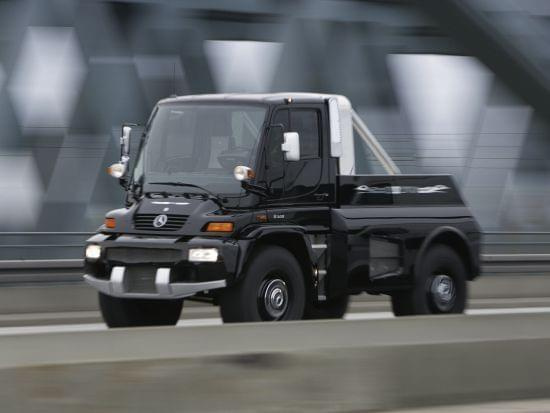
(382, 225)
(397, 190)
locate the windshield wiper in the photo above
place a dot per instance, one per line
(211, 195)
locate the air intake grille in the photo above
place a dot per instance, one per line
(145, 222)
(140, 279)
(141, 255)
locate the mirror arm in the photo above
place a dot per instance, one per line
(255, 189)
(123, 182)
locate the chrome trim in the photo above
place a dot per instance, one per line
(275, 298)
(162, 281)
(117, 280)
(116, 285)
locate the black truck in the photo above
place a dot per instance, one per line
(274, 207)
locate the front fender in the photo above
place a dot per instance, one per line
(262, 233)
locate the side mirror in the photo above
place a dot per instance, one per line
(118, 170)
(125, 141)
(291, 146)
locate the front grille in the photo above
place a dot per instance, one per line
(145, 222)
(140, 279)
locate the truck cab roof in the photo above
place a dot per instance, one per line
(274, 98)
(343, 119)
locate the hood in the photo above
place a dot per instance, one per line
(183, 216)
(176, 206)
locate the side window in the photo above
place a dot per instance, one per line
(274, 155)
(306, 123)
(281, 118)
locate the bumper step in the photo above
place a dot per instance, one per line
(118, 287)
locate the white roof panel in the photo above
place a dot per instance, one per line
(257, 97)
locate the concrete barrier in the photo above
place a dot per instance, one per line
(299, 366)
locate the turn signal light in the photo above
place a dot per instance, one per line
(110, 223)
(117, 170)
(219, 227)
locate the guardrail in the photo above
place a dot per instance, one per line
(515, 264)
(28, 257)
(70, 270)
(42, 245)
(506, 242)
(67, 245)
(41, 271)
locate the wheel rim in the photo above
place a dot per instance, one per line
(273, 298)
(443, 292)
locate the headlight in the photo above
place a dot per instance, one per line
(203, 255)
(93, 252)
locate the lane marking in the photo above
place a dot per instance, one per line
(57, 328)
(380, 315)
(200, 322)
(519, 310)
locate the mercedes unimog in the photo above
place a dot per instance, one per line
(274, 207)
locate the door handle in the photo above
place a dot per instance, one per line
(320, 196)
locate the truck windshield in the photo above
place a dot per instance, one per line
(200, 144)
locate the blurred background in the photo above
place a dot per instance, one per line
(459, 87)
(447, 86)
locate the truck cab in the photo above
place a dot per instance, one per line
(252, 202)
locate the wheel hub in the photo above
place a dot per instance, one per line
(275, 298)
(443, 292)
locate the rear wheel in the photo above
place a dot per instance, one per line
(271, 289)
(440, 286)
(137, 312)
(335, 308)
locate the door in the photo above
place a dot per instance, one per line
(297, 195)
(297, 181)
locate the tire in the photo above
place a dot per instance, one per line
(440, 286)
(134, 312)
(332, 309)
(271, 288)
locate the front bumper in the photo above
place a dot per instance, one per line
(158, 267)
(118, 285)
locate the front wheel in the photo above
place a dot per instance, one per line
(270, 289)
(138, 312)
(440, 285)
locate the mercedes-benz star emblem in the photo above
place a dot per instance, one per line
(160, 221)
